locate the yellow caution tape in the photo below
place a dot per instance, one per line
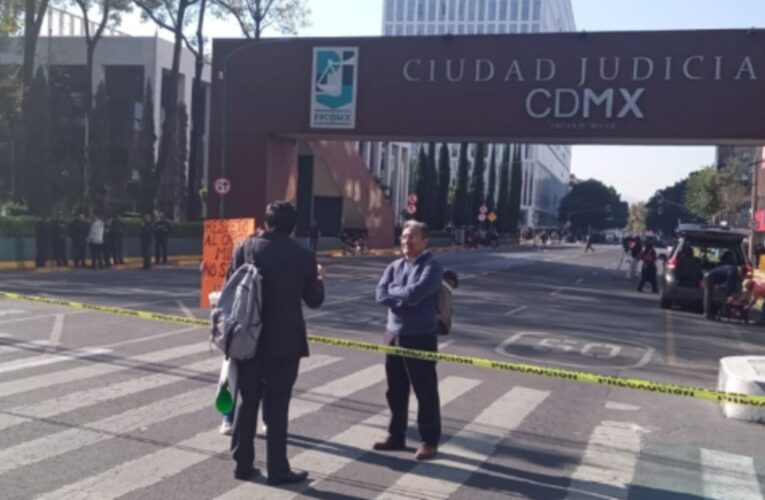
(558, 373)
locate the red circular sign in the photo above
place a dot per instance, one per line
(483, 209)
(412, 199)
(222, 186)
(411, 209)
(481, 217)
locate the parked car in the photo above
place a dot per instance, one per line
(700, 248)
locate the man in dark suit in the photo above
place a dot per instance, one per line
(290, 276)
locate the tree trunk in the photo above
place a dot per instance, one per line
(171, 110)
(196, 154)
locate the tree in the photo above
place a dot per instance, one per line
(254, 16)
(10, 99)
(98, 151)
(38, 175)
(442, 191)
(665, 209)
(492, 192)
(593, 206)
(196, 153)
(477, 184)
(423, 188)
(172, 16)
(701, 194)
(460, 208)
(503, 206)
(110, 14)
(147, 138)
(733, 194)
(637, 218)
(516, 183)
(172, 193)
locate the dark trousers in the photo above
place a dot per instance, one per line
(160, 250)
(271, 379)
(146, 252)
(59, 252)
(79, 253)
(97, 255)
(648, 275)
(405, 373)
(117, 253)
(41, 257)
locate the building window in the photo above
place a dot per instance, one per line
(503, 10)
(389, 10)
(491, 29)
(481, 29)
(400, 6)
(421, 10)
(399, 30)
(420, 29)
(410, 29)
(471, 10)
(460, 29)
(502, 29)
(526, 10)
(410, 10)
(388, 29)
(524, 28)
(537, 10)
(514, 10)
(481, 10)
(431, 10)
(492, 14)
(514, 28)
(442, 29)
(431, 29)
(535, 28)
(452, 9)
(471, 29)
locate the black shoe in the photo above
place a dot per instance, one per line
(247, 475)
(389, 444)
(291, 477)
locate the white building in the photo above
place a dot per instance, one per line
(546, 168)
(124, 64)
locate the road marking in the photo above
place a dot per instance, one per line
(342, 449)
(97, 395)
(37, 382)
(49, 359)
(444, 345)
(35, 346)
(9, 312)
(466, 451)
(612, 405)
(580, 281)
(150, 469)
(610, 459)
(55, 334)
(186, 311)
(729, 476)
(669, 326)
(516, 310)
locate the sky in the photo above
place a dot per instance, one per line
(635, 171)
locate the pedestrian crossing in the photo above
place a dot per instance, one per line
(102, 405)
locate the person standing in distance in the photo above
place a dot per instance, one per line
(409, 287)
(147, 233)
(291, 276)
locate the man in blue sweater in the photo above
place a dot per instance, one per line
(409, 287)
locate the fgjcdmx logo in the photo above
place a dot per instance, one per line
(333, 91)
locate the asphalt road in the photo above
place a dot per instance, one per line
(100, 406)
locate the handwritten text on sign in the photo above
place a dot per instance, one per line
(220, 238)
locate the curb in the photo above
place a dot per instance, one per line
(130, 262)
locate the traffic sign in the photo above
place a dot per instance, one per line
(481, 217)
(753, 224)
(411, 209)
(483, 209)
(412, 199)
(222, 186)
(492, 217)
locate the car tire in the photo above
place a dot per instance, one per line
(665, 303)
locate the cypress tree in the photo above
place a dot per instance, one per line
(442, 193)
(492, 192)
(98, 149)
(147, 138)
(477, 184)
(38, 171)
(503, 209)
(460, 209)
(516, 180)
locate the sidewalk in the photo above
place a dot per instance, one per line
(130, 262)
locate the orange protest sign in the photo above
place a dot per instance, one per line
(220, 238)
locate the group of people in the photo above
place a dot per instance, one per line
(640, 255)
(474, 237)
(410, 288)
(101, 238)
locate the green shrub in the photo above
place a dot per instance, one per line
(24, 227)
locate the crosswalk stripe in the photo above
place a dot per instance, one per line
(470, 447)
(33, 347)
(609, 460)
(346, 447)
(9, 312)
(96, 395)
(729, 476)
(150, 469)
(49, 359)
(33, 383)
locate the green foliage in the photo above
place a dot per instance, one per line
(516, 183)
(98, 149)
(665, 208)
(701, 194)
(460, 209)
(593, 206)
(503, 198)
(442, 191)
(18, 226)
(24, 227)
(147, 138)
(38, 175)
(477, 184)
(285, 17)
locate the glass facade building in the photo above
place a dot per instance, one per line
(546, 168)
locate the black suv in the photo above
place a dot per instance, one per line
(700, 249)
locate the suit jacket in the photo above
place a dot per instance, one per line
(289, 278)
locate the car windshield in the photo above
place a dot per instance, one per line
(713, 253)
